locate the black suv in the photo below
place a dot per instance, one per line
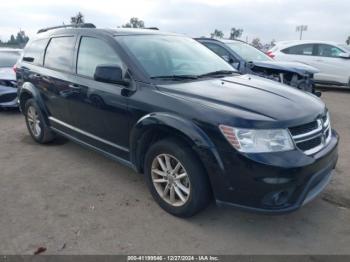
(170, 108)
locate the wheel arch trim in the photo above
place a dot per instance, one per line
(185, 127)
(29, 89)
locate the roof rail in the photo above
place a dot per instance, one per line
(85, 25)
(152, 28)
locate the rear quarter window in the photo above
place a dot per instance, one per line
(34, 53)
(59, 53)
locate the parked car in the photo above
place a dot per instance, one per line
(332, 59)
(249, 60)
(175, 111)
(8, 86)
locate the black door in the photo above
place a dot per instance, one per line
(99, 109)
(54, 79)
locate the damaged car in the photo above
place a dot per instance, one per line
(8, 84)
(249, 60)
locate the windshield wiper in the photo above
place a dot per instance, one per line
(175, 77)
(218, 73)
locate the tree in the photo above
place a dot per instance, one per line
(77, 19)
(235, 33)
(217, 34)
(272, 43)
(21, 38)
(18, 40)
(256, 43)
(348, 40)
(134, 23)
(12, 40)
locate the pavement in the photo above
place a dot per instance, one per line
(70, 200)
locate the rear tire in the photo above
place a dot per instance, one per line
(176, 178)
(36, 125)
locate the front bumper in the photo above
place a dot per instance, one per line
(8, 97)
(275, 183)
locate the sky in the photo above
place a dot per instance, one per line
(266, 19)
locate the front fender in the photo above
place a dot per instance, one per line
(171, 122)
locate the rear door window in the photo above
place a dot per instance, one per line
(34, 53)
(305, 49)
(59, 53)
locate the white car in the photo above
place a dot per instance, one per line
(332, 59)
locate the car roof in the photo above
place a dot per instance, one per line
(101, 31)
(301, 42)
(222, 40)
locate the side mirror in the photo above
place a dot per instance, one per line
(110, 74)
(344, 55)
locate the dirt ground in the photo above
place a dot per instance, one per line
(74, 201)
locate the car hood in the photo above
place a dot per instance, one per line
(7, 73)
(7, 90)
(287, 66)
(249, 97)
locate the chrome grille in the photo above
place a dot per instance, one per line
(313, 136)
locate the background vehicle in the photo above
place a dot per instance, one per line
(8, 85)
(249, 60)
(332, 59)
(170, 108)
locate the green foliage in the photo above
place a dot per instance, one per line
(18, 41)
(235, 33)
(348, 41)
(77, 19)
(217, 34)
(134, 23)
(257, 43)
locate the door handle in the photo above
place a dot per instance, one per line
(74, 86)
(36, 75)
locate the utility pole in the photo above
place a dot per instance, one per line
(301, 28)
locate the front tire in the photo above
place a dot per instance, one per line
(176, 178)
(36, 125)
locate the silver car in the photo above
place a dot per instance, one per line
(332, 59)
(8, 85)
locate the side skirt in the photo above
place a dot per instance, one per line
(78, 141)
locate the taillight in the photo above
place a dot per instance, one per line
(14, 68)
(270, 54)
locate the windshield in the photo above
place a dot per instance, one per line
(345, 47)
(164, 55)
(8, 59)
(248, 52)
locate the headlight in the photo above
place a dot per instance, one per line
(258, 140)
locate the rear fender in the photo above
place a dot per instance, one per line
(29, 89)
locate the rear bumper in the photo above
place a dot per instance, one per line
(276, 183)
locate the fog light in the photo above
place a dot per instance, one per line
(280, 198)
(277, 198)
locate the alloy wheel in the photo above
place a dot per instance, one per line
(170, 180)
(34, 121)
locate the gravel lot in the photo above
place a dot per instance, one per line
(74, 201)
